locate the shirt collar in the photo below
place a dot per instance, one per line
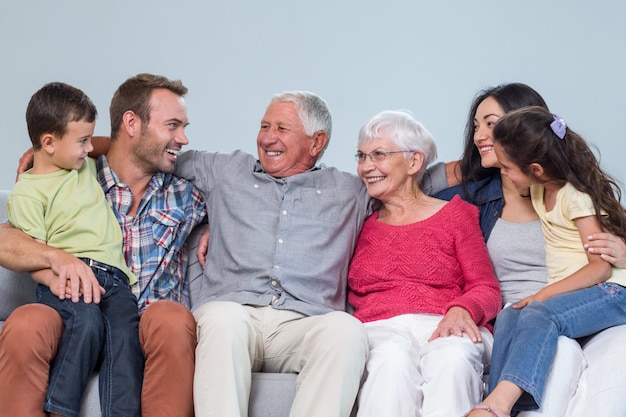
(106, 176)
(259, 168)
(108, 179)
(487, 189)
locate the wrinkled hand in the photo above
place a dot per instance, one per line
(203, 247)
(456, 322)
(25, 162)
(610, 248)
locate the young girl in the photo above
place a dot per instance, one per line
(573, 198)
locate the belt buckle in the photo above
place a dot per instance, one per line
(95, 264)
(109, 269)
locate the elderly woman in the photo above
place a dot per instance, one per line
(421, 281)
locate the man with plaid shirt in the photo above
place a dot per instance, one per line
(156, 212)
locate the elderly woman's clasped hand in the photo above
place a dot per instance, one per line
(456, 322)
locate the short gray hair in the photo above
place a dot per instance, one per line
(404, 131)
(312, 110)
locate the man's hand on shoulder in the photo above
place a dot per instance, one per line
(610, 247)
(26, 162)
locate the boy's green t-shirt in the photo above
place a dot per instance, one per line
(67, 209)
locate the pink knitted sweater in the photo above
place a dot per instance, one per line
(424, 267)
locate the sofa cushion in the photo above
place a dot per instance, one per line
(271, 395)
(16, 289)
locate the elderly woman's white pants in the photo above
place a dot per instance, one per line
(407, 376)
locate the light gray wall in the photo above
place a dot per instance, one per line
(430, 57)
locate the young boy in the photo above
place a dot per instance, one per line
(60, 203)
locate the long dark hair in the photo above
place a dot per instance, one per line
(510, 97)
(526, 137)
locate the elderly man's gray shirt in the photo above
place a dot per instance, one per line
(284, 242)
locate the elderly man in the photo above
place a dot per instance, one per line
(275, 274)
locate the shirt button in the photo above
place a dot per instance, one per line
(276, 267)
(256, 185)
(318, 191)
(281, 241)
(284, 212)
(274, 283)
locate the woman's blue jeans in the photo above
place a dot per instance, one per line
(525, 339)
(104, 334)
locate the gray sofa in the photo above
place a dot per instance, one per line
(271, 394)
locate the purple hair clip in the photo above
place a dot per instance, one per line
(558, 126)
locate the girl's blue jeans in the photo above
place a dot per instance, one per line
(525, 339)
(104, 334)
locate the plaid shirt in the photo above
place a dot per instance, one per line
(154, 238)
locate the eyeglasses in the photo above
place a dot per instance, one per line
(375, 156)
